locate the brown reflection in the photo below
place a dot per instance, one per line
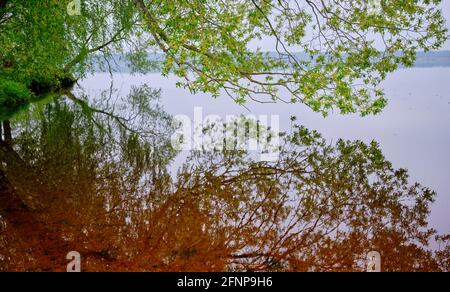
(94, 178)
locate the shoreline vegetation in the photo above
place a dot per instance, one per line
(119, 63)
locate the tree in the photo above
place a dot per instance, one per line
(77, 174)
(346, 51)
(44, 49)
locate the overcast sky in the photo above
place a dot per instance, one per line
(269, 44)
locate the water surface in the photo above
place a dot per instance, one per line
(413, 131)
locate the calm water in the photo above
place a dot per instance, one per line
(413, 131)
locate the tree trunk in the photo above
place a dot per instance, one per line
(7, 132)
(3, 3)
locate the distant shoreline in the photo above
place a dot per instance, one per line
(435, 59)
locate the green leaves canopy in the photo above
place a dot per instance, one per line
(347, 49)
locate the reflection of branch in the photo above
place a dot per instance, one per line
(9, 156)
(86, 107)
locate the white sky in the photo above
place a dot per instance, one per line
(269, 44)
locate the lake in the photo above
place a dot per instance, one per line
(413, 131)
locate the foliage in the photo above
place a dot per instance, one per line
(346, 51)
(349, 51)
(13, 96)
(93, 175)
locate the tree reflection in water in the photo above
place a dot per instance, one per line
(94, 177)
